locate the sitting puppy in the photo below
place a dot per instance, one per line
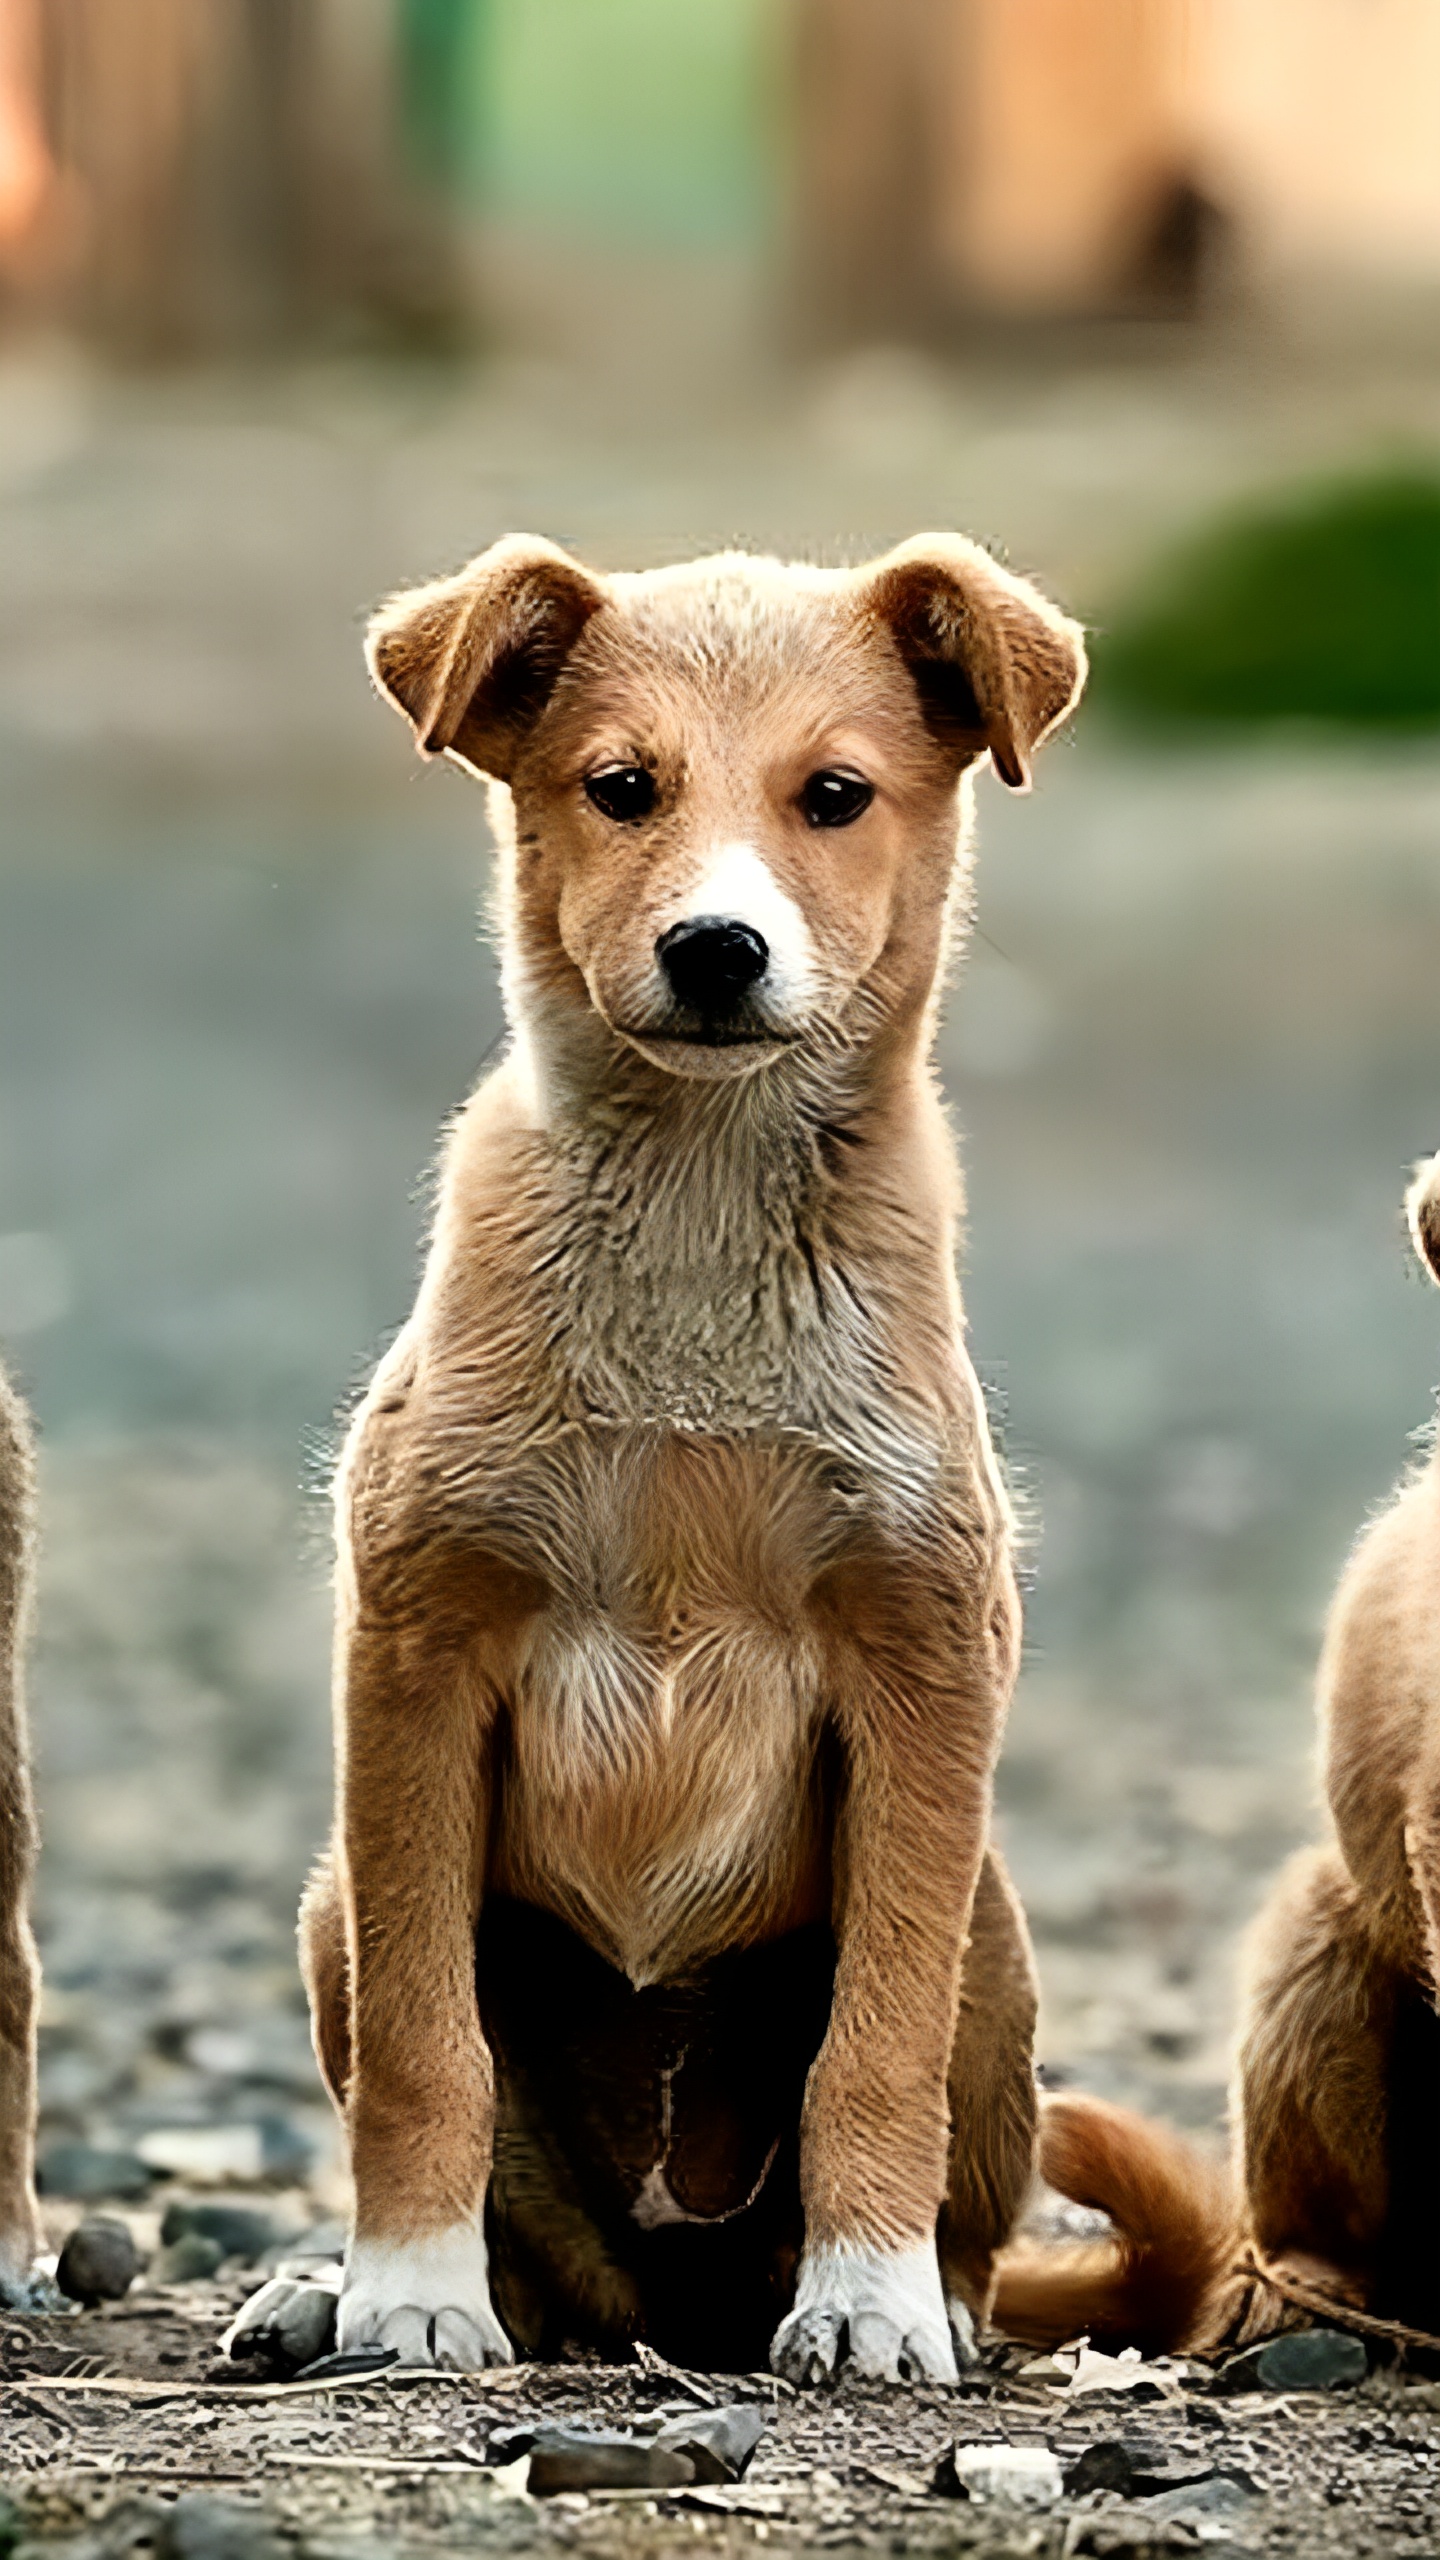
(677, 1620)
(1337, 2084)
(19, 1968)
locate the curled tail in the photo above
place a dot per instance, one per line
(1150, 2284)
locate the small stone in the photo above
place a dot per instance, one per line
(99, 2261)
(566, 2458)
(289, 2322)
(509, 2444)
(212, 2154)
(201, 2528)
(79, 2170)
(718, 2442)
(133, 2530)
(238, 2229)
(1000, 2475)
(285, 2152)
(1110, 2464)
(1202, 2504)
(1299, 2360)
(187, 2261)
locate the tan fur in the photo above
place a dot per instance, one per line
(675, 1582)
(1338, 2062)
(19, 1966)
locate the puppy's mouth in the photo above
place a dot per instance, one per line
(710, 1035)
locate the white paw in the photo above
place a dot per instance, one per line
(428, 2299)
(293, 2317)
(882, 2313)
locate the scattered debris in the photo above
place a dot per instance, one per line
(1130, 2467)
(566, 2458)
(1000, 2475)
(718, 2443)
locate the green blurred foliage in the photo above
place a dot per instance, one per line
(1320, 606)
(441, 51)
(640, 119)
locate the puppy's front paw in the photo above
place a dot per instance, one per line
(428, 2299)
(882, 2314)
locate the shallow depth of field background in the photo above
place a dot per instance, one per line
(651, 280)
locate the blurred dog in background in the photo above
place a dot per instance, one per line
(1337, 2081)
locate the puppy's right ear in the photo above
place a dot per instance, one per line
(1422, 1208)
(472, 660)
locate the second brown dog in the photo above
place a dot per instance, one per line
(1337, 2079)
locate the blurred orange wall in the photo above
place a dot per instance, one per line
(1312, 127)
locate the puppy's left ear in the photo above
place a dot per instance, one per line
(996, 665)
(473, 659)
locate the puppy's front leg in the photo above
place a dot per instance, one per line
(925, 1680)
(420, 2099)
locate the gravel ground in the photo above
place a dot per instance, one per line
(1192, 1054)
(114, 2415)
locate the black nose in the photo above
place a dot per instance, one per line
(712, 963)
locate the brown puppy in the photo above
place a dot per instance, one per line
(19, 1967)
(676, 1608)
(1337, 2082)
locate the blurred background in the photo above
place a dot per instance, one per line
(303, 298)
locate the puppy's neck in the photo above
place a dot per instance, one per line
(699, 1264)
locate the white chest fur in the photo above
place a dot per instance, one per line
(667, 1705)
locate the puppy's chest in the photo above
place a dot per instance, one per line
(666, 1707)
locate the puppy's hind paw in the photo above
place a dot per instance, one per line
(881, 2313)
(290, 2321)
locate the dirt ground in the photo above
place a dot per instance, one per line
(119, 2424)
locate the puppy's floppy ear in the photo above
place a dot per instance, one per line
(995, 663)
(1422, 1208)
(472, 660)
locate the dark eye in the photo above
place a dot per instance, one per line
(832, 799)
(623, 792)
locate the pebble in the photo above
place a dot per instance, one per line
(1300, 2360)
(201, 2528)
(239, 2230)
(290, 2322)
(189, 2260)
(1000, 2475)
(81, 2170)
(99, 2261)
(718, 2443)
(1129, 2467)
(565, 2458)
(1225, 2493)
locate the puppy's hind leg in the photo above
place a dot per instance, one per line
(1312, 2090)
(992, 2103)
(19, 1965)
(325, 1966)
